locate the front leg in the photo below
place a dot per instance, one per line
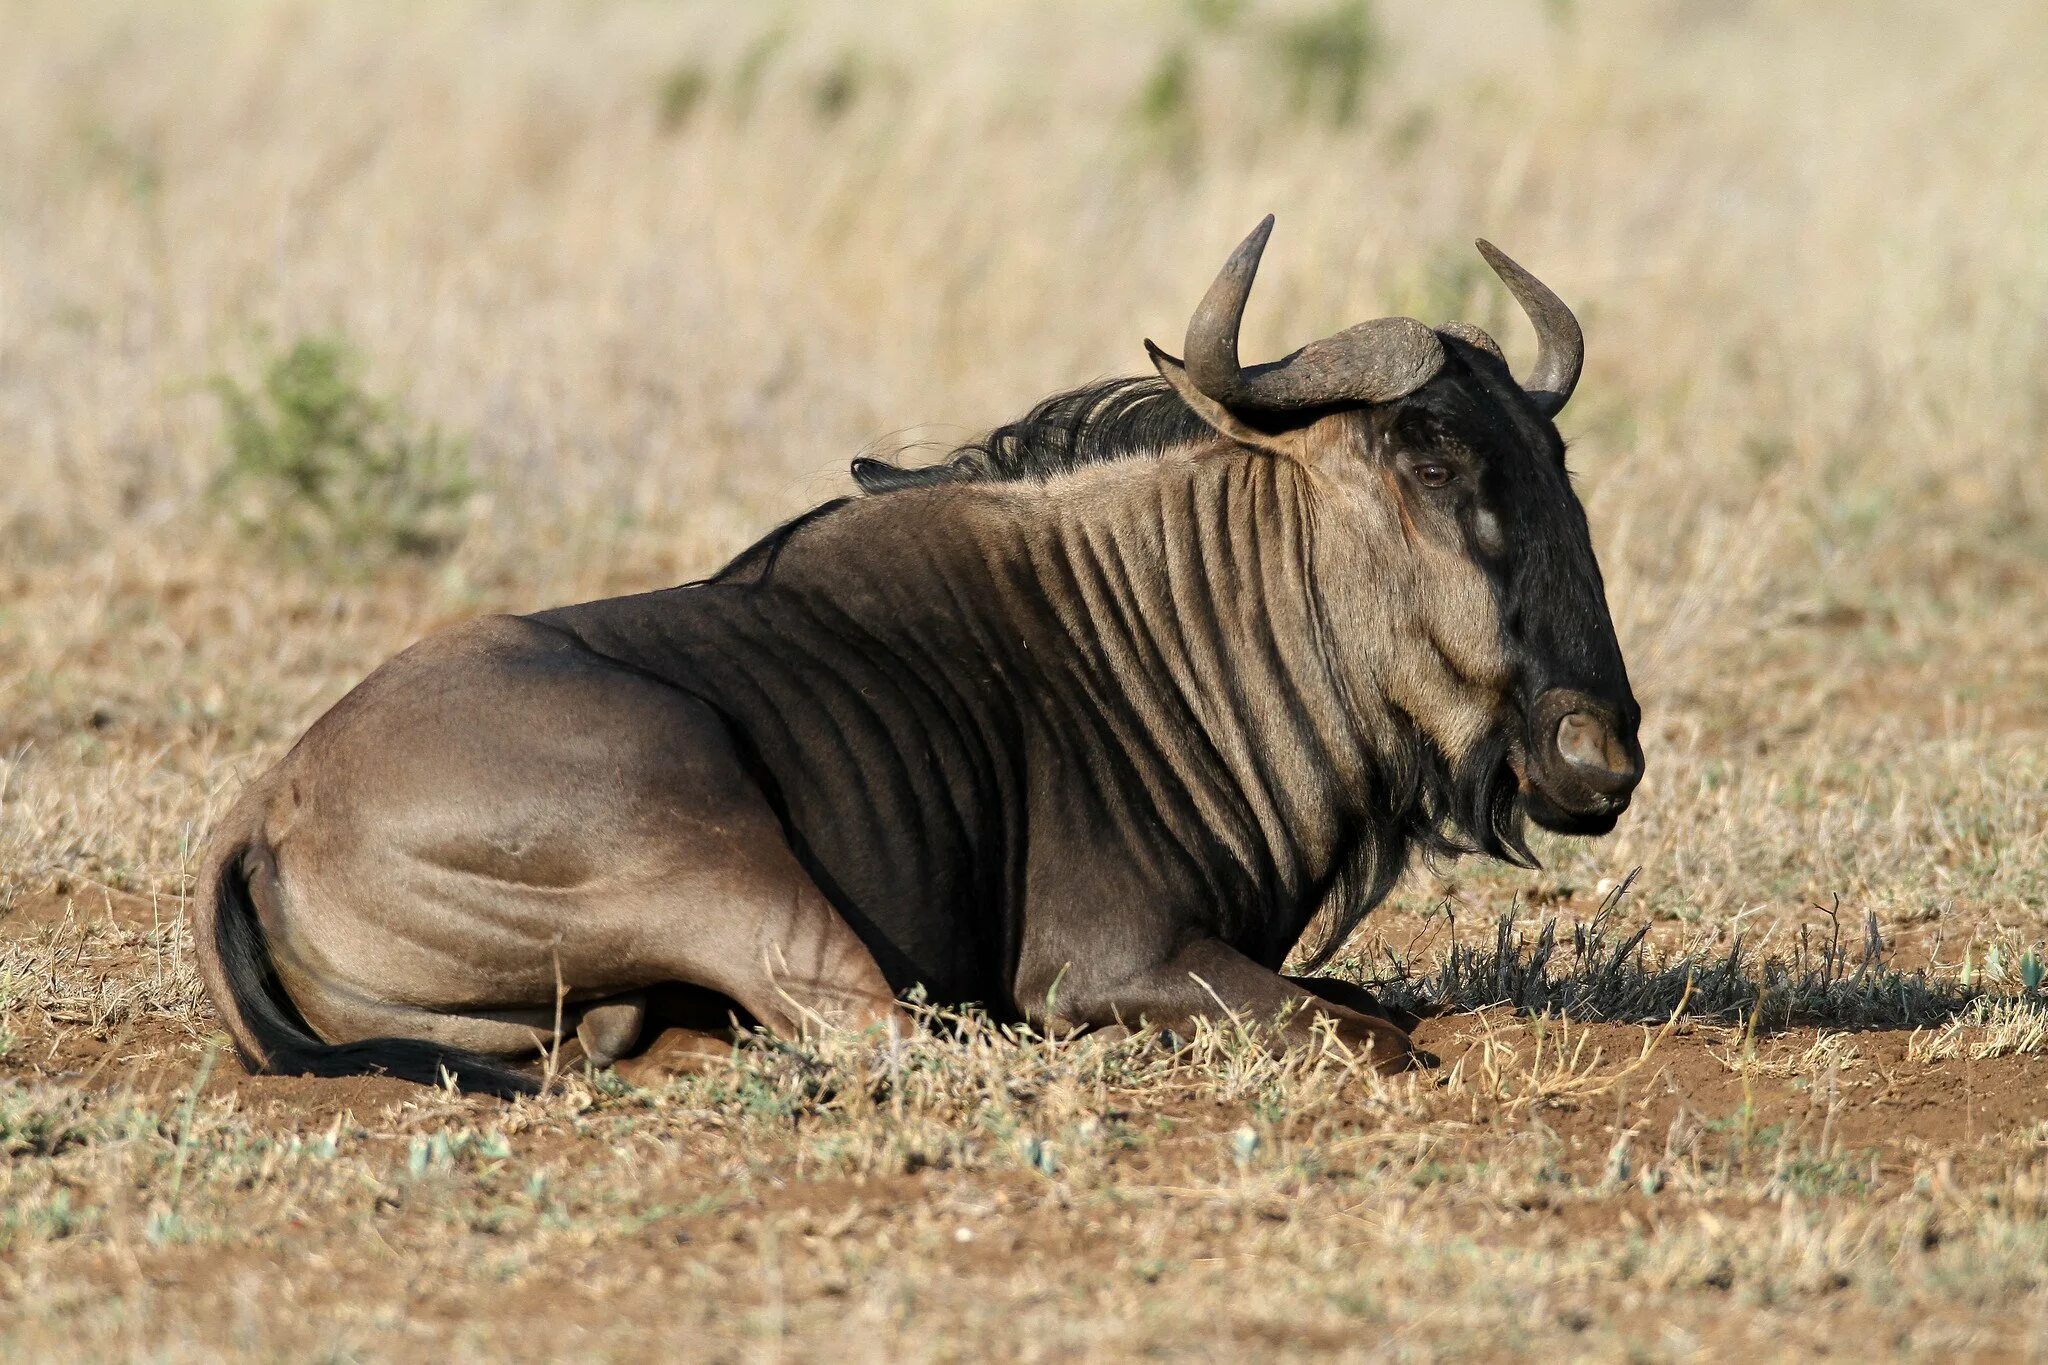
(1358, 998)
(1208, 979)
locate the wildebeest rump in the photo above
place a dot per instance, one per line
(1087, 723)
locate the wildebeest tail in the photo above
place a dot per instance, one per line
(283, 1044)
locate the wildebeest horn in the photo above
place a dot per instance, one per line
(1560, 345)
(1374, 362)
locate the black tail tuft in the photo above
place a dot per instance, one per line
(289, 1046)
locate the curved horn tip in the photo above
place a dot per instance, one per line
(1560, 344)
(1211, 344)
(1253, 246)
(1513, 273)
(1495, 257)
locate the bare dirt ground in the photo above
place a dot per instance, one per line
(606, 289)
(1599, 1188)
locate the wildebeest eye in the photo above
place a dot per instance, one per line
(1433, 475)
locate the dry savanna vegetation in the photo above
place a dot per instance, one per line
(322, 326)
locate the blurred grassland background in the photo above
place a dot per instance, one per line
(325, 325)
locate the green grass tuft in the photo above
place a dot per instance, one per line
(319, 466)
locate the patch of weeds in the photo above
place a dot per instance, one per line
(611, 1085)
(136, 165)
(705, 1205)
(753, 66)
(760, 1099)
(1150, 1269)
(1272, 1106)
(1164, 110)
(323, 1148)
(318, 465)
(1769, 1151)
(52, 1218)
(491, 1220)
(1595, 974)
(836, 89)
(166, 1227)
(1328, 59)
(1038, 1154)
(835, 1152)
(769, 1082)
(1165, 95)
(2001, 1262)
(829, 91)
(1811, 1175)
(2001, 967)
(1325, 61)
(1216, 15)
(45, 1123)
(1355, 1303)
(679, 93)
(444, 1152)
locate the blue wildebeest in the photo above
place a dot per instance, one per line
(1086, 724)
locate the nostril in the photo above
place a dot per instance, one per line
(1585, 743)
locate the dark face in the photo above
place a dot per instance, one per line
(1481, 474)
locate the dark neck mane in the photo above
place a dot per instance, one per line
(1115, 419)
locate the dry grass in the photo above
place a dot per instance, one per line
(662, 269)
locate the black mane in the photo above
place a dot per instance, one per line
(1113, 419)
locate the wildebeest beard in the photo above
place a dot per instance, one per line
(1430, 805)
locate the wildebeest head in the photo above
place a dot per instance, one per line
(1446, 524)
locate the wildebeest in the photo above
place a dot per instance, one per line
(1086, 724)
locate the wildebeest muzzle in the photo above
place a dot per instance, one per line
(1583, 762)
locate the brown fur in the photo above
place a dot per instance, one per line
(1090, 749)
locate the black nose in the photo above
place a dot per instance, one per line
(1587, 757)
(1597, 755)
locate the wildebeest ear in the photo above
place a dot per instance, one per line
(1225, 421)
